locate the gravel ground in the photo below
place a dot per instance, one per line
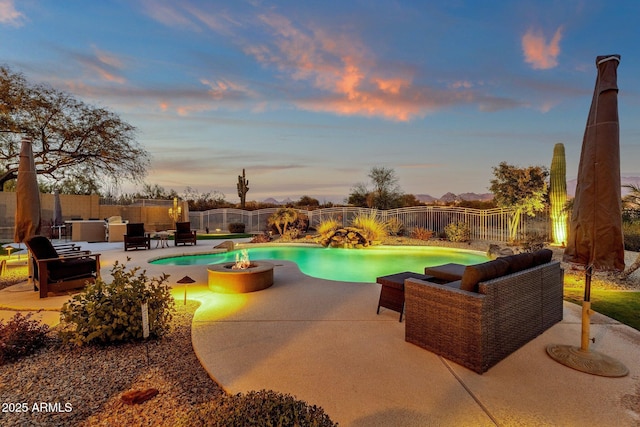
(89, 381)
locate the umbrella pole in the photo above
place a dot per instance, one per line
(586, 309)
(581, 358)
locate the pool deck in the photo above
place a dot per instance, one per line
(323, 342)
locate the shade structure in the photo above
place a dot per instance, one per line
(27, 220)
(595, 231)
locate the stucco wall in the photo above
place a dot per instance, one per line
(155, 218)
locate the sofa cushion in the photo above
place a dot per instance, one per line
(447, 272)
(542, 256)
(519, 262)
(474, 274)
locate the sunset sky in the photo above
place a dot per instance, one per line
(307, 96)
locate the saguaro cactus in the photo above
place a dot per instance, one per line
(558, 195)
(243, 188)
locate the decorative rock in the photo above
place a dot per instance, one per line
(135, 397)
(496, 251)
(227, 244)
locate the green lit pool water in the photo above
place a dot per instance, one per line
(347, 265)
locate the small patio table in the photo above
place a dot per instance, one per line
(162, 238)
(392, 291)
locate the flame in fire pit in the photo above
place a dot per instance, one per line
(242, 261)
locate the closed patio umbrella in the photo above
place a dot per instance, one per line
(57, 221)
(595, 232)
(27, 221)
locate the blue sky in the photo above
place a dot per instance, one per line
(307, 96)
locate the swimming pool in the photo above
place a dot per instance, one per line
(347, 265)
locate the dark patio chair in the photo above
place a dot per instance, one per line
(184, 234)
(136, 237)
(54, 272)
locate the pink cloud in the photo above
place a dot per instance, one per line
(167, 14)
(106, 65)
(9, 15)
(537, 52)
(341, 66)
(392, 86)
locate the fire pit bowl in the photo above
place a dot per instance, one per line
(223, 278)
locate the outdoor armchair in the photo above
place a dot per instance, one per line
(54, 272)
(136, 237)
(184, 234)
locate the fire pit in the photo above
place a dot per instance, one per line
(241, 276)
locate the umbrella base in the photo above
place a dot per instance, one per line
(587, 361)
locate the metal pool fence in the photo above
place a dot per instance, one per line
(490, 224)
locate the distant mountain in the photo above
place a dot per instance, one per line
(484, 197)
(450, 197)
(625, 180)
(425, 198)
(271, 201)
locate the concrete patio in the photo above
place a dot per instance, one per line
(323, 342)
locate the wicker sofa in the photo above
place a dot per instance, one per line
(477, 328)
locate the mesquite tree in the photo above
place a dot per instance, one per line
(558, 195)
(522, 189)
(70, 138)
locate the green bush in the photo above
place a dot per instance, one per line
(111, 312)
(458, 231)
(257, 408)
(421, 233)
(236, 227)
(20, 337)
(631, 231)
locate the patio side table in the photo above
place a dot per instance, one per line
(162, 239)
(392, 291)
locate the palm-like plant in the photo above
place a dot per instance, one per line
(282, 218)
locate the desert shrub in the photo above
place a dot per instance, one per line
(20, 336)
(371, 227)
(301, 223)
(257, 408)
(458, 231)
(261, 238)
(395, 227)
(236, 227)
(111, 312)
(291, 234)
(631, 231)
(421, 233)
(328, 225)
(532, 242)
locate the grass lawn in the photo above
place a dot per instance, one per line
(221, 236)
(624, 306)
